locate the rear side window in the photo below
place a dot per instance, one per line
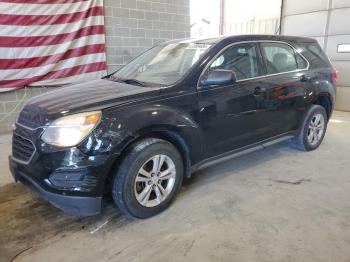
(281, 58)
(240, 58)
(315, 55)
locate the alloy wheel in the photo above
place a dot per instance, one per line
(155, 180)
(316, 129)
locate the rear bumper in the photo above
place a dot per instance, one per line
(73, 205)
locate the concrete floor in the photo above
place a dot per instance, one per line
(5, 145)
(278, 204)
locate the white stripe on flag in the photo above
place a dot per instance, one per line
(28, 52)
(14, 74)
(42, 30)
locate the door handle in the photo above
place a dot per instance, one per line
(259, 90)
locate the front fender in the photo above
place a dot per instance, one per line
(121, 126)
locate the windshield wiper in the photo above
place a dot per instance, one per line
(134, 81)
(129, 81)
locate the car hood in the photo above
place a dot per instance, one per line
(93, 95)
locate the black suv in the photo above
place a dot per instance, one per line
(179, 107)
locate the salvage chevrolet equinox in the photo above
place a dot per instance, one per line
(177, 108)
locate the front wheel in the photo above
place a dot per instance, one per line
(313, 129)
(148, 178)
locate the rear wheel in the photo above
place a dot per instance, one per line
(313, 129)
(148, 178)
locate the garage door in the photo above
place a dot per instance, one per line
(325, 21)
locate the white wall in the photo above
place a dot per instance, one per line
(240, 17)
(242, 11)
(205, 18)
(328, 22)
(251, 16)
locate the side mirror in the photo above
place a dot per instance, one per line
(219, 77)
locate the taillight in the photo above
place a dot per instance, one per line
(335, 74)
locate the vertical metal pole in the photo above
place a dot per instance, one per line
(281, 17)
(325, 39)
(222, 17)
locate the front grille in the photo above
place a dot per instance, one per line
(22, 148)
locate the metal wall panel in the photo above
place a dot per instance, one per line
(330, 27)
(332, 46)
(340, 3)
(311, 24)
(339, 22)
(343, 98)
(292, 7)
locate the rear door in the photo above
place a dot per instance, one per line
(284, 86)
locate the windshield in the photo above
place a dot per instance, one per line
(162, 65)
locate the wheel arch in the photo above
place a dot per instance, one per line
(324, 100)
(179, 138)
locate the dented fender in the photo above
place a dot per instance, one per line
(121, 126)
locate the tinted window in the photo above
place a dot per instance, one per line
(241, 59)
(301, 63)
(315, 55)
(281, 58)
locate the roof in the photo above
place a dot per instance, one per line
(234, 38)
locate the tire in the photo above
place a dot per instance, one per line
(138, 178)
(303, 140)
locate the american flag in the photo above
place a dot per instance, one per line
(50, 42)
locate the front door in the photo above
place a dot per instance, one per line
(228, 114)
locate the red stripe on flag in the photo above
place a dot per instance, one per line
(77, 70)
(28, 20)
(31, 41)
(40, 2)
(22, 63)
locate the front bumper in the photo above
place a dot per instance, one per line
(70, 204)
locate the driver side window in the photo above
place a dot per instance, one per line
(240, 58)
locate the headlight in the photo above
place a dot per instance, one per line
(71, 130)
